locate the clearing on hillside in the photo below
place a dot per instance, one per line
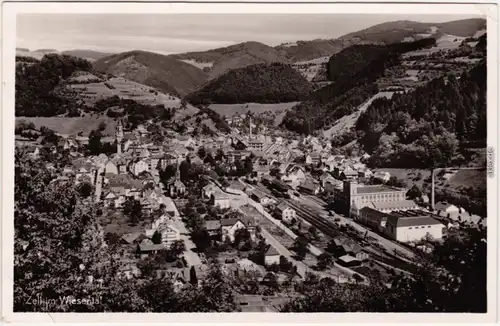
(230, 110)
(347, 122)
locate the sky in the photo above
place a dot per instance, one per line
(178, 33)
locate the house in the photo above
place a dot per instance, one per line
(382, 176)
(115, 198)
(262, 198)
(294, 174)
(121, 164)
(213, 228)
(231, 225)
(446, 209)
(313, 158)
(176, 188)
(170, 159)
(364, 173)
(349, 261)
(247, 265)
(272, 256)
(221, 199)
(209, 190)
(341, 246)
(412, 226)
(348, 173)
(285, 212)
(327, 178)
(133, 238)
(169, 234)
(111, 167)
(309, 187)
(138, 166)
(147, 248)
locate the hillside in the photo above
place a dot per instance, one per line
(260, 83)
(87, 54)
(429, 123)
(309, 50)
(76, 97)
(360, 71)
(162, 72)
(241, 55)
(398, 31)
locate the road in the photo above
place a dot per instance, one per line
(192, 258)
(98, 184)
(302, 268)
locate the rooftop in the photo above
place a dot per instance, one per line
(376, 189)
(400, 220)
(347, 258)
(394, 205)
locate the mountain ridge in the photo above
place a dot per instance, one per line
(152, 69)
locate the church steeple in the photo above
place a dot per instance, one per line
(119, 136)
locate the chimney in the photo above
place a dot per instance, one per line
(432, 189)
(250, 125)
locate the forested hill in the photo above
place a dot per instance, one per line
(260, 83)
(352, 61)
(353, 71)
(426, 126)
(36, 81)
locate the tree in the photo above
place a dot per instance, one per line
(300, 246)
(193, 279)
(202, 153)
(395, 182)
(156, 238)
(324, 260)
(85, 189)
(285, 265)
(177, 247)
(313, 231)
(95, 146)
(133, 209)
(414, 192)
(358, 278)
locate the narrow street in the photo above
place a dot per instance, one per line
(98, 184)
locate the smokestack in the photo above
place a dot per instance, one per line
(432, 189)
(250, 119)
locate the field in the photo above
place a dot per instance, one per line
(454, 180)
(348, 121)
(123, 88)
(445, 42)
(72, 126)
(229, 110)
(199, 65)
(309, 69)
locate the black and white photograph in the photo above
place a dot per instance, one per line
(251, 162)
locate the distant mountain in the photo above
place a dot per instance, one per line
(261, 83)
(87, 54)
(397, 31)
(308, 50)
(235, 56)
(46, 50)
(22, 50)
(162, 72)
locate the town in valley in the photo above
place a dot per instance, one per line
(340, 175)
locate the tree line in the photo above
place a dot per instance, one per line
(36, 84)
